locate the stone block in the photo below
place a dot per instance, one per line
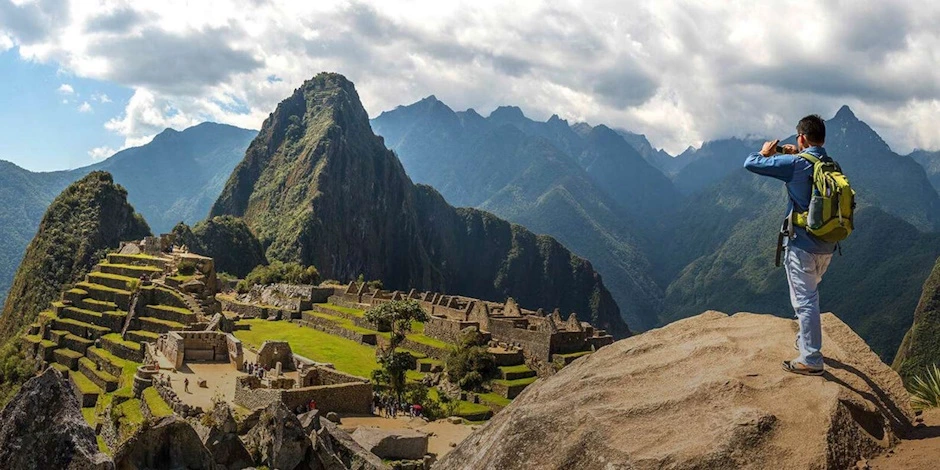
(399, 444)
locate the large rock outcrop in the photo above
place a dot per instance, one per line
(42, 427)
(318, 187)
(170, 444)
(279, 440)
(398, 444)
(337, 450)
(219, 433)
(704, 392)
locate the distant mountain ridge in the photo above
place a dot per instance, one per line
(318, 187)
(176, 177)
(585, 186)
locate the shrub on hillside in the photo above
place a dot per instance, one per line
(470, 364)
(277, 272)
(925, 389)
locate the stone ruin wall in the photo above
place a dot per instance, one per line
(272, 352)
(447, 330)
(535, 344)
(198, 346)
(334, 391)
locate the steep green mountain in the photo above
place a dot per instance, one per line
(721, 257)
(90, 217)
(921, 346)
(176, 177)
(513, 167)
(318, 187)
(226, 239)
(931, 163)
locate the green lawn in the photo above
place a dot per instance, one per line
(515, 369)
(509, 383)
(343, 323)
(155, 402)
(347, 355)
(351, 311)
(428, 341)
(89, 415)
(495, 399)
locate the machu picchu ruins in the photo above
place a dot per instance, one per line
(152, 322)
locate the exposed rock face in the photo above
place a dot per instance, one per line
(921, 345)
(278, 440)
(42, 427)
(318, 187)
(705, 392)
(221, 439)
(399, 444)
(90, 216)
(169, 444)
(227, 240)
(337, 450)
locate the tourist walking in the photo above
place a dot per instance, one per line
(807, 256)
(186, 385)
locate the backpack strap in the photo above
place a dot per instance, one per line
(808, 156)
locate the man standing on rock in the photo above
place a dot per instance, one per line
(806, 257)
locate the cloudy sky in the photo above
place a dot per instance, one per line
(82, 79)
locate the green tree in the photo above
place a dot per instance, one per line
(470, 364)
(291, 273)
(398, 315)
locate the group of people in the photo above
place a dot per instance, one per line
(253, 368)
(389, 407)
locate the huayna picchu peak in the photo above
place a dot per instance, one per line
(318, 187)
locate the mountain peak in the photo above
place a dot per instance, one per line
(845, 114)
(508, 113)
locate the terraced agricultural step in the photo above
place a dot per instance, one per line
(108, 362)
(35, 345)
(137, 260)
(76, 343)
(140, 336)
(67, 357)
(113, 281)
(74, 295)
(85, 316)
(129, 270)
(166, 312)
(101, 378)
(59, 367)
(121, 297)
(85, 389)
(157, 325)
(99, 306)
(516, 372)
(80, 328)
(124, 349)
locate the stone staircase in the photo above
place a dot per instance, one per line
(82, 333)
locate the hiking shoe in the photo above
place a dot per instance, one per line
(797, 367)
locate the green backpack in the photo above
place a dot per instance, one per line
(832, 205)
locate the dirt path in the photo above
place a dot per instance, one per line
(442, 433)
(919, 451)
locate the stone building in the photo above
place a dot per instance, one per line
(540, 336)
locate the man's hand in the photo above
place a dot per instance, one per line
(770, 148)
(790, 149)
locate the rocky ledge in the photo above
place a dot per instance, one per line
(704, 392)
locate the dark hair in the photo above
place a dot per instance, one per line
(813, 127)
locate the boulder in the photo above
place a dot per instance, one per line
(336, 449)
(333, 417)
(42, 427)
(171, 443)
(704, 392)
(310, 421)
(398, 444)
(278, 440)
(220, 436)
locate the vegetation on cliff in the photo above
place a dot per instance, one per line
(921, 346)
(277, 272)
(89, 218)
(319, 188)
(227, 240)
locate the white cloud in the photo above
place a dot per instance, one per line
(679, 71)
(66, 89)
(100, 153)
(64, 101)
(5, 43)
(84, 107)
(101, 98)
